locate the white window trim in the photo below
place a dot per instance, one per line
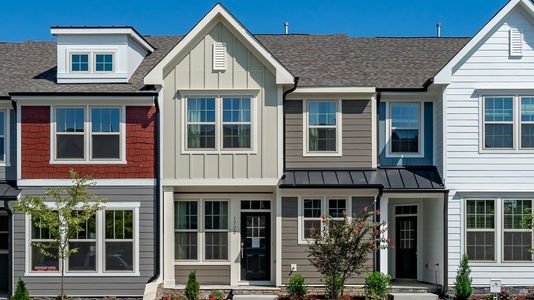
(324, 212)
(89, 62)
(201, 255)
(218, 96)
(134, 206)
(389, 130)
(496, 212)
(6, 162)
(113, 63)
(503, 230)
(516, 124)
(339, 129)
(87, 136)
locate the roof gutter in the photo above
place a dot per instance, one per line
(424, 88)
(129, 94)
(284, 121)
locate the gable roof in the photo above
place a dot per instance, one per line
(219, 12)
(445, 74)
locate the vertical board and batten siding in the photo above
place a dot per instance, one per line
(213, 274)
(244, 71)
(356, 137)
(428, 124)
(467, 169)
(9, 172)
(94, 285)
(295, 253)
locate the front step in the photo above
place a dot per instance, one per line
(413, 296)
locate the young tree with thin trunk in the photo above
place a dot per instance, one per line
(62, 212)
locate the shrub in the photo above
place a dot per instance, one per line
(296, 286)
(217, 295)
(377, 285)
(21, 292)
(462, 287)
(192, 289)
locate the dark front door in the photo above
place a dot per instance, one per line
(406, 245)
(4, 253)
(255, 245)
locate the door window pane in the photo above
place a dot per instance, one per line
(405, 127)
(322, 126)
(498, 122)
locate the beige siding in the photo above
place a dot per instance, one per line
(295, 253)
(205, 274)
(244, 71)
(356, 137)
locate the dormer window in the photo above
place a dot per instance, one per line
(79, 62)
(104, 62)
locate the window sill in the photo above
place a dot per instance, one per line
(83, 274)
(197, 262)
(88, 162)
(208, 151)
(404, 155)
(322, 154)
(5, 164)
(506, 151)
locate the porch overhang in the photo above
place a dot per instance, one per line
(388, 179)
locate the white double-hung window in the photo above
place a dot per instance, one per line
(88, 134)
(312, 210)
(322, 125)
(405, 130)
(219, 123)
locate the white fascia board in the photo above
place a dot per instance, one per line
(142, 100)
(444, 76)
(92, 31)
(283, 76)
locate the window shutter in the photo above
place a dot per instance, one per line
(219, 56)
(516, 43)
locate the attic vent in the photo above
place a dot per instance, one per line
(219, 56)
(516, 43)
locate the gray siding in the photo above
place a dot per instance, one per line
(205, 274)
(356, 137)
(10, 172)
(95, 286)
(293, 253)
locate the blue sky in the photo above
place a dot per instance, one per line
(31, 19)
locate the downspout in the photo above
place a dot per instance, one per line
(377, 219)
(10, 278)
(284, 121)
(445, 241)
(378, 98)
(156, 194)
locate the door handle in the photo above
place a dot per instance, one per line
(242, 249)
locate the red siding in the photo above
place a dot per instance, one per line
(140, 147)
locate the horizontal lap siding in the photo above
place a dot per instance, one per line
(488, 66)
(294, 253)
(95, 286)
(219, 275)
(356, 135)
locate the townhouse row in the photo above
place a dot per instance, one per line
(220, 150)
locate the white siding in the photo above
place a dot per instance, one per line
(490, 64)
(487, 69)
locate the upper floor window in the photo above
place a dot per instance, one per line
(77, 139)
(405, 128)
(323, 127)
(104, 62)
(4, 135)
(219, 123)
(79, 62)
(507, 123)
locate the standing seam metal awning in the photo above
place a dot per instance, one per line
(394, 178)
(8, 190)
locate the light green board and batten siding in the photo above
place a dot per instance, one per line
(193, 71)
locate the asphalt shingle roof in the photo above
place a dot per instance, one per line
(318, 60)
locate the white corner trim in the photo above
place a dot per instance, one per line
(19, 143)
(374, 133)
(444, 76)
(283, 76)
(98, 182)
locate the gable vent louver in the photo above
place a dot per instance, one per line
(516, 43)
(219, 56)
